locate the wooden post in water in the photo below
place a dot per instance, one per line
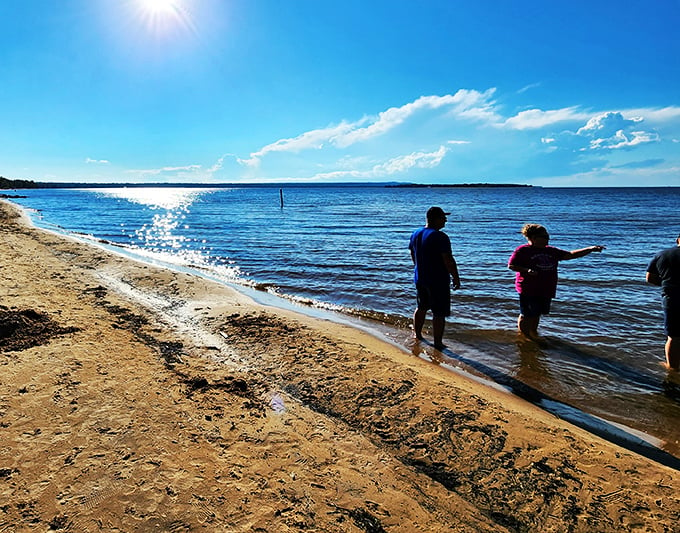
(281, 197)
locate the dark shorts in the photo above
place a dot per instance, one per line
(533, 306)
(671, 312)
(437, 299)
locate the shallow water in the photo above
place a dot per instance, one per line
(345, 248)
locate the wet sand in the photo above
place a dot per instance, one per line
(134, 398)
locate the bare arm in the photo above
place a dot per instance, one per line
(583, 251)
(653, 278)
(452, 267)
(522, 269)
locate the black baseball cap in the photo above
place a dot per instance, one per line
(436, 212)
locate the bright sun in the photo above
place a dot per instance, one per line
(163, 17)
(159, 7)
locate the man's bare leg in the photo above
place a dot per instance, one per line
(673, 353)
(438, 323)
(418, 322)
(528, 326)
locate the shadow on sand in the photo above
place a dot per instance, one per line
(590, 423)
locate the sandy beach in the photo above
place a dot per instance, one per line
(135, 398)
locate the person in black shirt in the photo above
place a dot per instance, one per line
(664, 271)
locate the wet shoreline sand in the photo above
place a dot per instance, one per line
(135, 398)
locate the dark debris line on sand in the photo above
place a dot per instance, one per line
(26, 328)
(171, 351)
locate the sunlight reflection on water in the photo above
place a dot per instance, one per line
(161, 234)
(160, 198)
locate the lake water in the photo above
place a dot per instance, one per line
(346, 249)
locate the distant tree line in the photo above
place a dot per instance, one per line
(6, 183)
(461, 185)
(17, 184)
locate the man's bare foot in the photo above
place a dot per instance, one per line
(439, 346)
(667, 366)
(533, 337)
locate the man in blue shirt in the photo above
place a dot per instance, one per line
(664, 271)
(435, 270)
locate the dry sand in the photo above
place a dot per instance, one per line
(134, 398)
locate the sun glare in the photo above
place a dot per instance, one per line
(159, 7)
(163, 17)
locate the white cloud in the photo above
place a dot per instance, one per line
(183, 171)
(490, 143)
(607, 124)
(414, 160)
(536, 118)
(91, 161)
(467, 104)
(393, 166)
(655, 115)
(623, 140)
(528, 87)
(218, 164)
(605, 131)
(314, 139)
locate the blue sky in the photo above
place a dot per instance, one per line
(578, 93)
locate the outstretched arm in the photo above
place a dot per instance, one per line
(583, 251)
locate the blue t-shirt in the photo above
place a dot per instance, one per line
(428, 245)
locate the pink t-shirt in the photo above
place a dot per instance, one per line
(544, 261)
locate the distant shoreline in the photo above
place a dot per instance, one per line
(447, 185)
(21, 184)
(15, 185)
